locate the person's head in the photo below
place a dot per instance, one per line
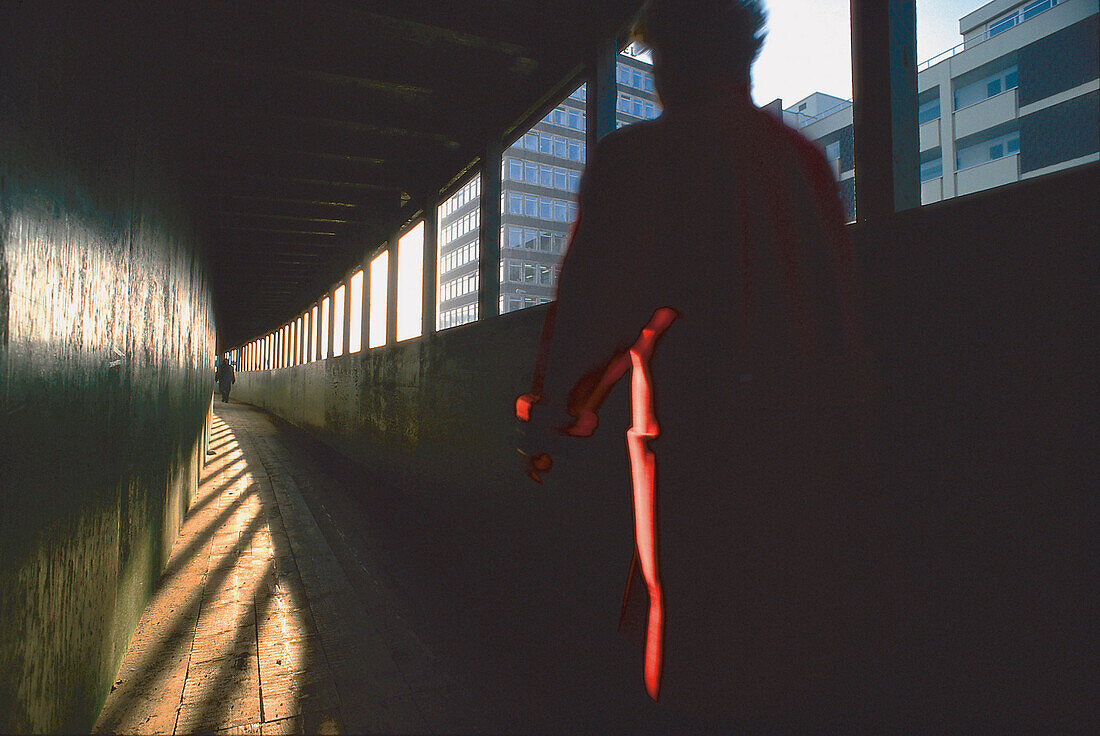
(698, 43)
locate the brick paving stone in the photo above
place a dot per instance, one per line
(254, 628)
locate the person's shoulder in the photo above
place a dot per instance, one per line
(630, 140)
(790, 137)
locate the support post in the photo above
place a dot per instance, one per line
(330, 320)
(601, 94)
(346, 331)
(391, 293)
(429, 321)
(364, 320)
(489, 235)
(884, 88)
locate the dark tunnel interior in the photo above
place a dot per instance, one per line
(178, 181)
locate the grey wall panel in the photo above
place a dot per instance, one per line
(1060, 132)
(1060, 61)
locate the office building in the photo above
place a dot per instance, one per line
(540, 177)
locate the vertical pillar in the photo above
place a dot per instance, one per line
(602, 93)
(315, 329)
(311, 353)
(947, 132)
(303, 323)
(488, 268)
(391, 293)
(365, 321)
(884, 87)
(431, 265)
(347, 316)
(330, 322)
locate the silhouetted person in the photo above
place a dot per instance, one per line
(733, 317)
(225, 378)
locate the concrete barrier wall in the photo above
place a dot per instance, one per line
(978, 312)
(106, 350)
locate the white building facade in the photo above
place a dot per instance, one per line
(1019, 97)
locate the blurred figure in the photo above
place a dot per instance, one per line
(735, 315)
(225, 377)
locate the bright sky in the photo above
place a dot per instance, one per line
(808, 48)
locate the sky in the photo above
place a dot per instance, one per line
(808, 47)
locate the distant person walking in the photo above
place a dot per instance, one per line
(225, 378)
(735, 313)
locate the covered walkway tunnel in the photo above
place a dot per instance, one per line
(363, 206)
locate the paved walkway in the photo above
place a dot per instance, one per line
(254, 627)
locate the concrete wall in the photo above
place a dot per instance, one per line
(980, 326)
(106, 345)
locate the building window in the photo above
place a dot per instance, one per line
(515, 237)
(1032, 10)
(931, 170)
(986, 151)
(1002, 25)
(929, 111)
(983, 89)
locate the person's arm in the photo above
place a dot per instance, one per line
(588, 329)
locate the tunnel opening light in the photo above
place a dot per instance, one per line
(355, 321)
(314, 331)
(338, 320)
(379, 267)
(410, 283)
(324, 327)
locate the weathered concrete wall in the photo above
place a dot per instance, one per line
(427, 409)
(979, 312)
(106, 345)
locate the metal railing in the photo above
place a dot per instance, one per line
(804, 119)
(985, 36)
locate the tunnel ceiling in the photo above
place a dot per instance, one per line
(308, 132)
